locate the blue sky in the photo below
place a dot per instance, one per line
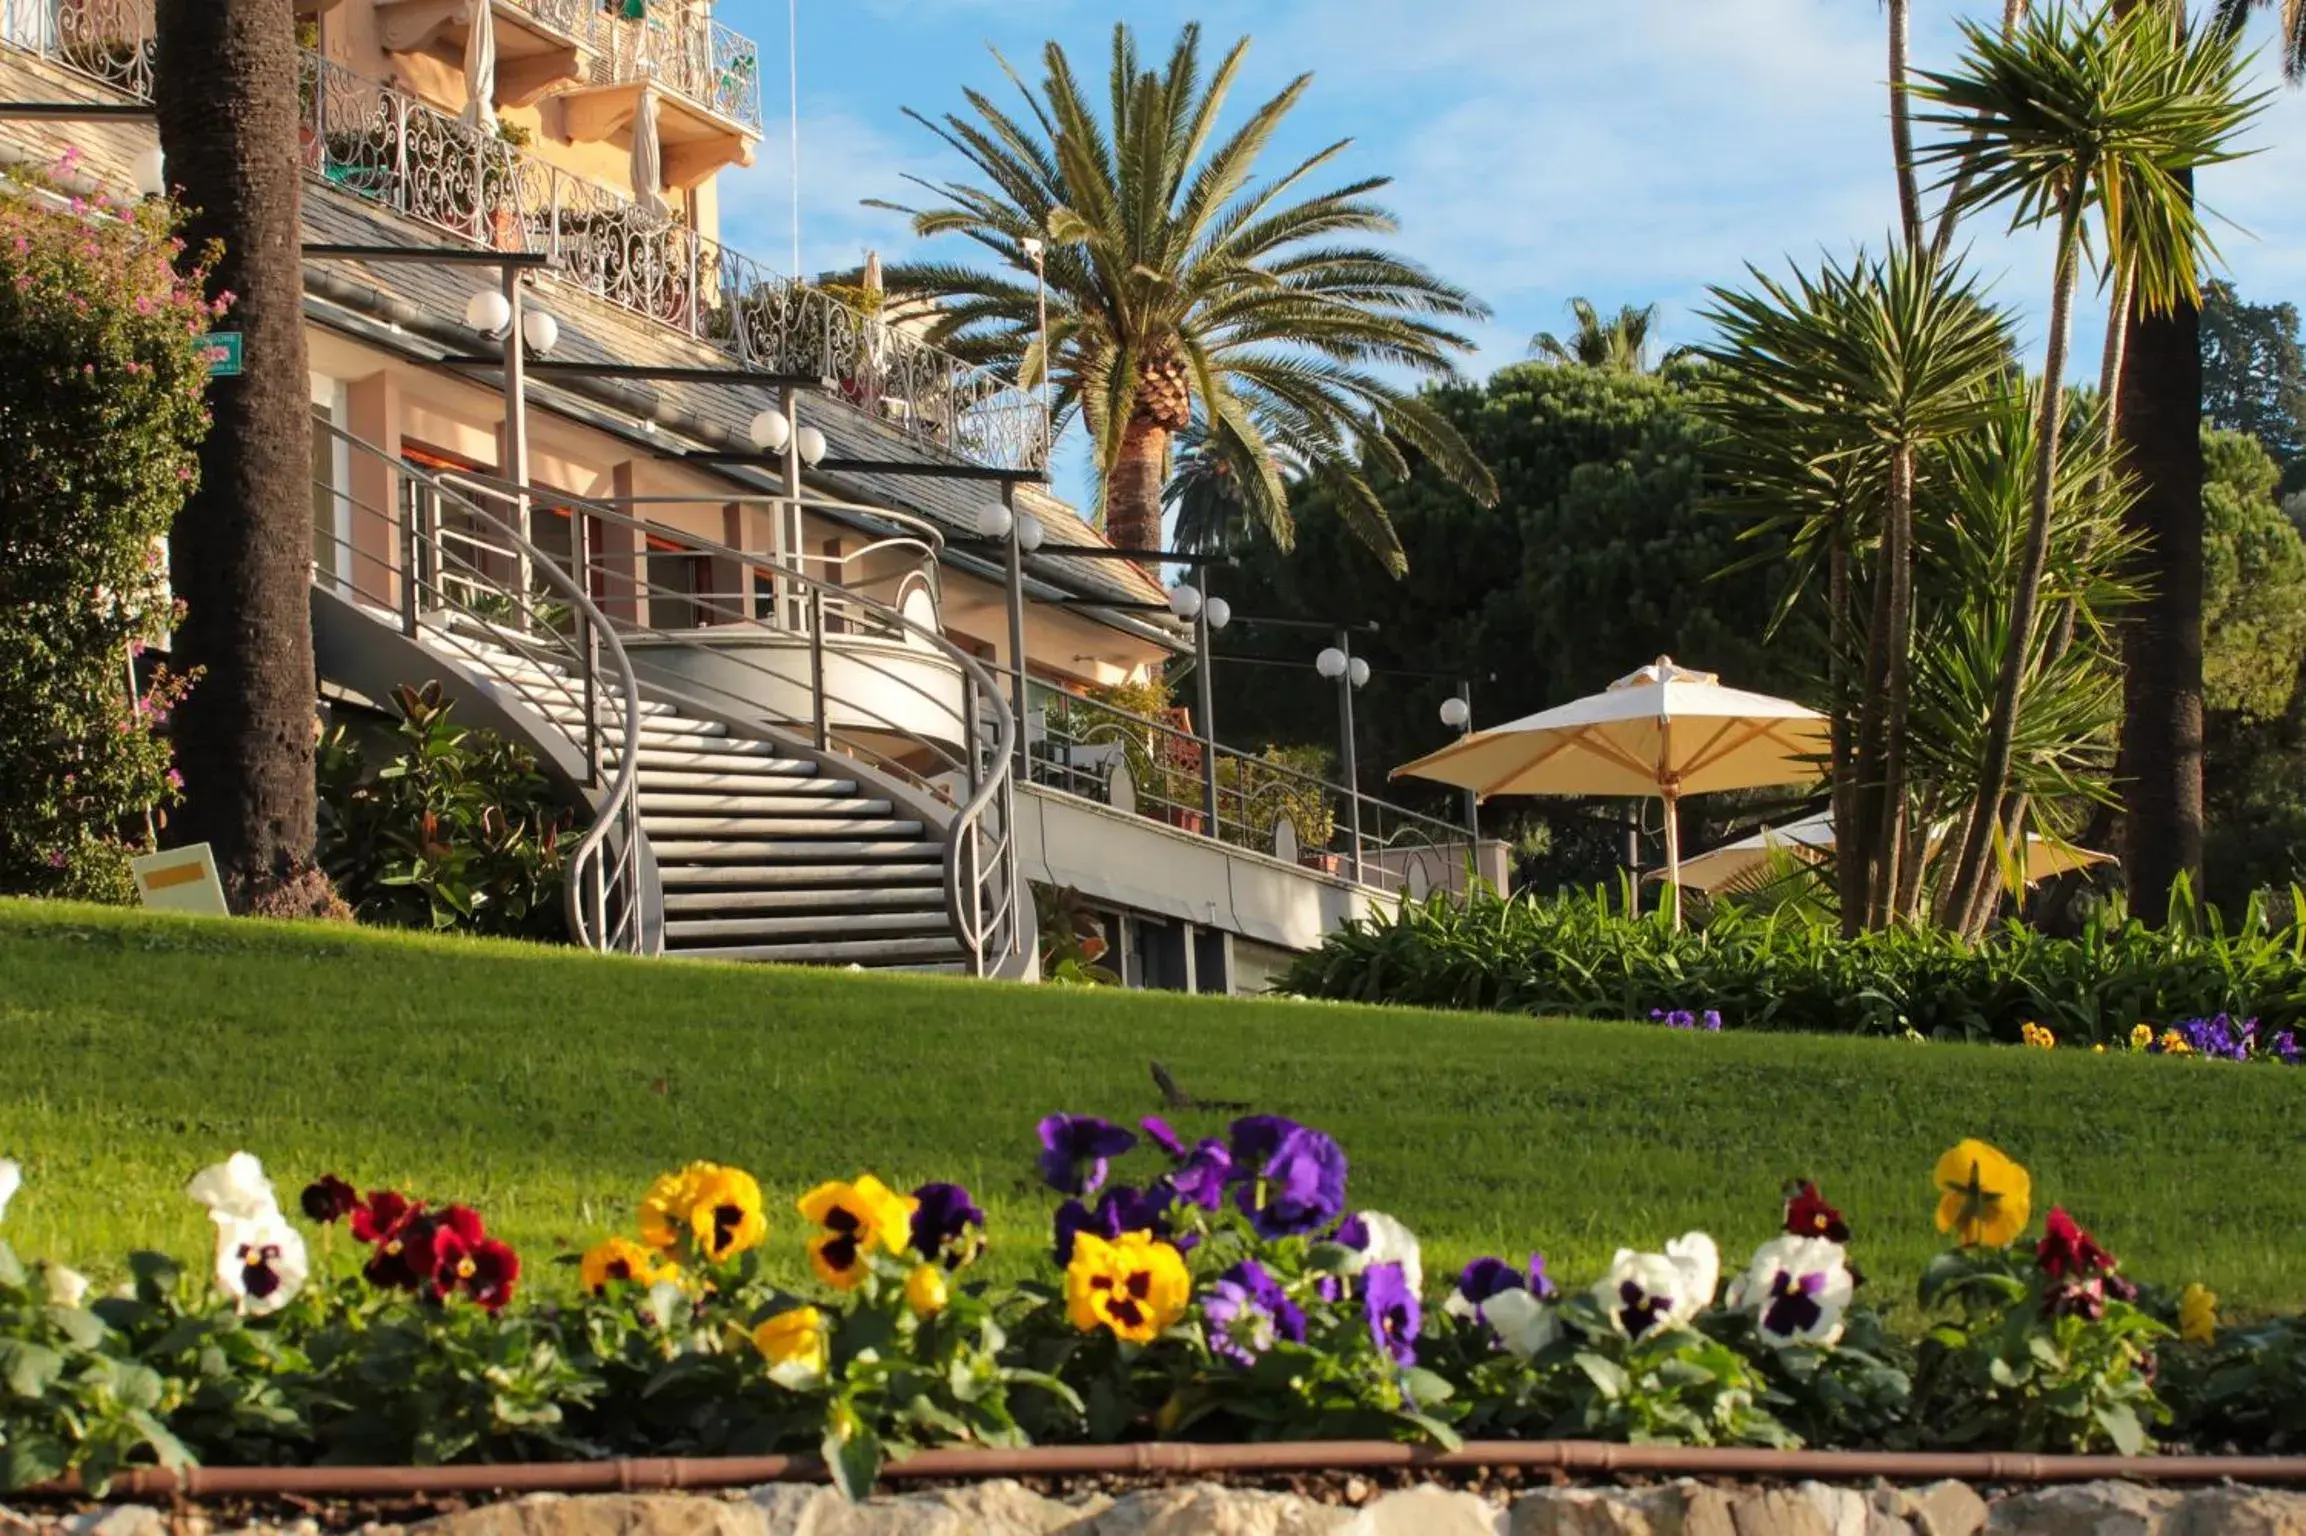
(1631, 151)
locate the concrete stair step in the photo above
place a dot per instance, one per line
(803, 875)
(670, 851)
(736, 756)
(707, 903)
(785, 781)
(806, 925)
(742, 828)
(656, 801)
(865, 952)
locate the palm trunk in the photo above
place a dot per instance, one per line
(2013, 12)
(2161, 754)
(2001, 729)
(1849, 863)
(240, 555)
(1133, 492)
(1860, 831)
(1902, 126)
(1898, 562)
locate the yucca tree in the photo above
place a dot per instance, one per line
(1620, 342)
(2290, 23)
(1841, 384)
(1185, 289)
(2077, 113)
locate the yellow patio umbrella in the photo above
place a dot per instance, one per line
(1813, 838)
(1664, 731)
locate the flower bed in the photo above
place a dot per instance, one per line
(1233, 1293)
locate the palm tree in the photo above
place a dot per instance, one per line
(1620, 343)
(1184, 290)
(2074, 114)
(2292, 25)
(240, 557)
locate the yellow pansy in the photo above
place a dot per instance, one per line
(2174, 1044)
(856, 1217)
(725, 1216)
(2038, 1037)
(1136, 1285)
(620, 1258)
(2141, 1036)
(925, 1290)
(794, 1345)
(1983, 1197)
(717, 1210)
(2197, 1314)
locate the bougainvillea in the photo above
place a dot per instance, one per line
(99, 423)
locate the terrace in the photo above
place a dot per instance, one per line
(387, 147)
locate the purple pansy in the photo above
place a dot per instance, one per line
(1292, 1177)
(1202, 1177)
(1248, 1312)
(1120, 1209)
(1393, 1312)
(947, 1224)
(1162, 1135)
(1074, 1150)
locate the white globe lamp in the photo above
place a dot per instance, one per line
(770, 431)
(994, 521)
(1456, 713)
(1219, 611)
(1185, 602)
(1330, 663)
(149, 171)
(540, 330)
(1029, 534)
(488, 312)
(1358, 672)
(811, 443)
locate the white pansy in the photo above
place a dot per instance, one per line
(1524, 1323)
(11, 1180)
(797, 1375)
(1643, 1291)
(260, 1264)
(235, 1190)
(1694, 1254)
(1392, 1243)
(66, 1287)
(1797, 1289)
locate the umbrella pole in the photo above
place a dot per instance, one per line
(1673, 855)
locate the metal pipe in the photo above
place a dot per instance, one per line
(1472, 796)
(516, 431)
(1016, 575)
(1205, 688)
(1352, 766)
(1184, 1458)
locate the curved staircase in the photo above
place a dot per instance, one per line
(739, 838)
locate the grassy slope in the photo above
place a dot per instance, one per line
(547, 1087)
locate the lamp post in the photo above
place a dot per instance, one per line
(1457, 714)
(1349, 672)
(1207, 615)
(1038, 253)
(1020, 534)
(497, 315)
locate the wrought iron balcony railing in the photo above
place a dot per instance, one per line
(681, 46)
(382, 145)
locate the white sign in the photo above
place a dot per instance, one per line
(180, 880)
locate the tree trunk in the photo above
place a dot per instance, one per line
(240, 556)
(1849, 861)
(1898, 562)
(2161, 759)
(1867, 775)
(1133, 492)
(1902, 127)
(1974, 856)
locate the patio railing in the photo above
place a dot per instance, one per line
(385, 146)
(1161, 770)
(687, 50)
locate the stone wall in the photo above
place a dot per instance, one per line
(1207, 1509)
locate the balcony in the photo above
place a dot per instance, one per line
(538, 42)
(386, 147)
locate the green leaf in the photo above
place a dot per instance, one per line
(11, 1268)
(28, 1367)
(30, 1458)
(2122, 1427)
(1424, 1386)
(84, 1328)
(1608, 1377)
(855, 1462)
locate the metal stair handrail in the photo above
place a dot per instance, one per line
(435, 578)
(981, 864)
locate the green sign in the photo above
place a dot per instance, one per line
(221, 349)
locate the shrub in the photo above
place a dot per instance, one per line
(459, 831)
(100, 421)
(1785, 970)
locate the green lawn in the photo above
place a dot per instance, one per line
(547, 1087)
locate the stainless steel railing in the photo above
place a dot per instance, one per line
(420, 554)
(816, 653)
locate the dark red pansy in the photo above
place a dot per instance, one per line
(1808, 1215)
(382, 1216)
(328, 1199)
(489, 1272)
